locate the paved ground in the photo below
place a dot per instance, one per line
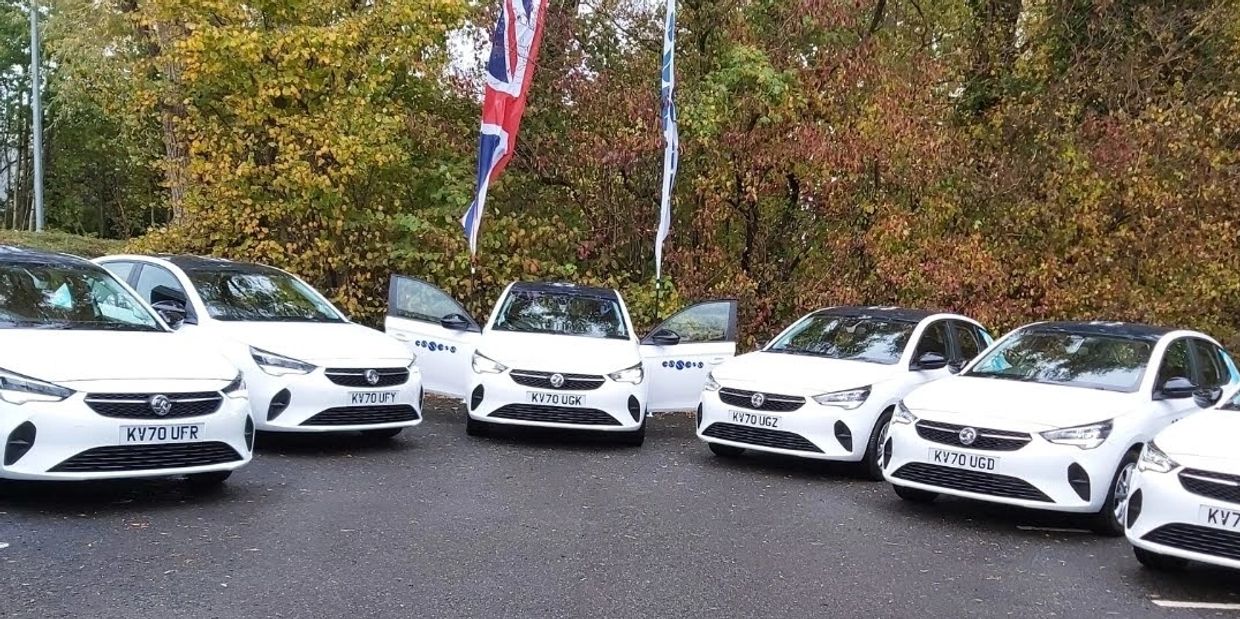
(438, 524)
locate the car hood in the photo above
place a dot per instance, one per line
(1208, 435)
(1008, 404)
(559, 353)
(799, 374)
(78, 355)
(318, 342)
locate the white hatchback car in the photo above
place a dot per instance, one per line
(827, 386)
(1053, 416)
(94, 386)
(560, 355)
(1185, 500)
(309, 369)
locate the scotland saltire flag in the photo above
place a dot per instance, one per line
(671, 135)
(510, 69)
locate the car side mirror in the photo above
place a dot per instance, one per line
(1207, 397)
(455, 322)
(1176, 388)
(173, 312)
(665, 337)
(929, 361)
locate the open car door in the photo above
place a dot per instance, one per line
(679, 353)
(437, 329)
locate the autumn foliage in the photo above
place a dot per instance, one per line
(1010, 160)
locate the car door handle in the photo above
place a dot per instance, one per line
(718, 360)
(404, 337)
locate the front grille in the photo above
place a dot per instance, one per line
(971, 481)
(542, 380)
(363, 415)
(1196, 538)
(987, 439)
(354, 377)
(138, 405)
(555, 414)
(1219, 486)
(775, 439)
(770, 401)
(117, 458)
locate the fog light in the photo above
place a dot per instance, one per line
(21, 439)
(843, 435)
(1134, 508)
(1079, 480)
(888, 449)
(249, 433)
(278, 404)
(635, 408)
(699, 415)
(475, 398)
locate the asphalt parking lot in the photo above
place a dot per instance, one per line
(435, 523)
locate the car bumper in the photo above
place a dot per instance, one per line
(812, 431)
(497, 398)
(74, 443)
(316, 404)
(1167, 519)
(1034, 476)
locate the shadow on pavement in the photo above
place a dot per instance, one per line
(332, 443)
(111, 496)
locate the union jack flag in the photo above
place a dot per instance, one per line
(510, 69)
(671, 135)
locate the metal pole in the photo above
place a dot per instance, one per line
(36, 102)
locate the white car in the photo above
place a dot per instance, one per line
(1053, 416)
(93, 385)
(1185, 502)
(827, 386)
(560, 355)
(309, 369)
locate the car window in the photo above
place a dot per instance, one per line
(705, 322)
(418, 300)
(68, 296)
(967, 340)
(933, 339)
(153, 276)
(1175, 362)
(1211, 372)
(122, 270)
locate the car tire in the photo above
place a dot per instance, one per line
(913, 495)
(475, 427)
(1159, 562)
(726, 451)
(1109, 521)
(382, 434)
(207, 481)
(635, 438)
(872, 462)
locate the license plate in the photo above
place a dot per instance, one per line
(182, 433)
(1219, 518)
(556, 399)
(372, 397)
(965, 461)
(755, 420)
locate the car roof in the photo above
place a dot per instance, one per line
(9, 253)
(190, 263)
(1098, 327)
(888, 312)
(566, 287)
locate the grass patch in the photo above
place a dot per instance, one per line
(84, 246)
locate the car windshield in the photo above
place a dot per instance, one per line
(561, 313)
(266, 296)
(852, 338)
(1111, 363)
(68, 296)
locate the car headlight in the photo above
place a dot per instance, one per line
(632, 375)
(486, 365)
(236, 388)
(1156, 460)
(18, 389)
(903, 414)
(1086, 437)
(711, 383)
(847, 399)
(279, 365)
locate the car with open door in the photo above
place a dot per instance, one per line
(308, 367)
(1185, 500)
(93, 385)
(560, 355)
(826, 387)
(1053, 416)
